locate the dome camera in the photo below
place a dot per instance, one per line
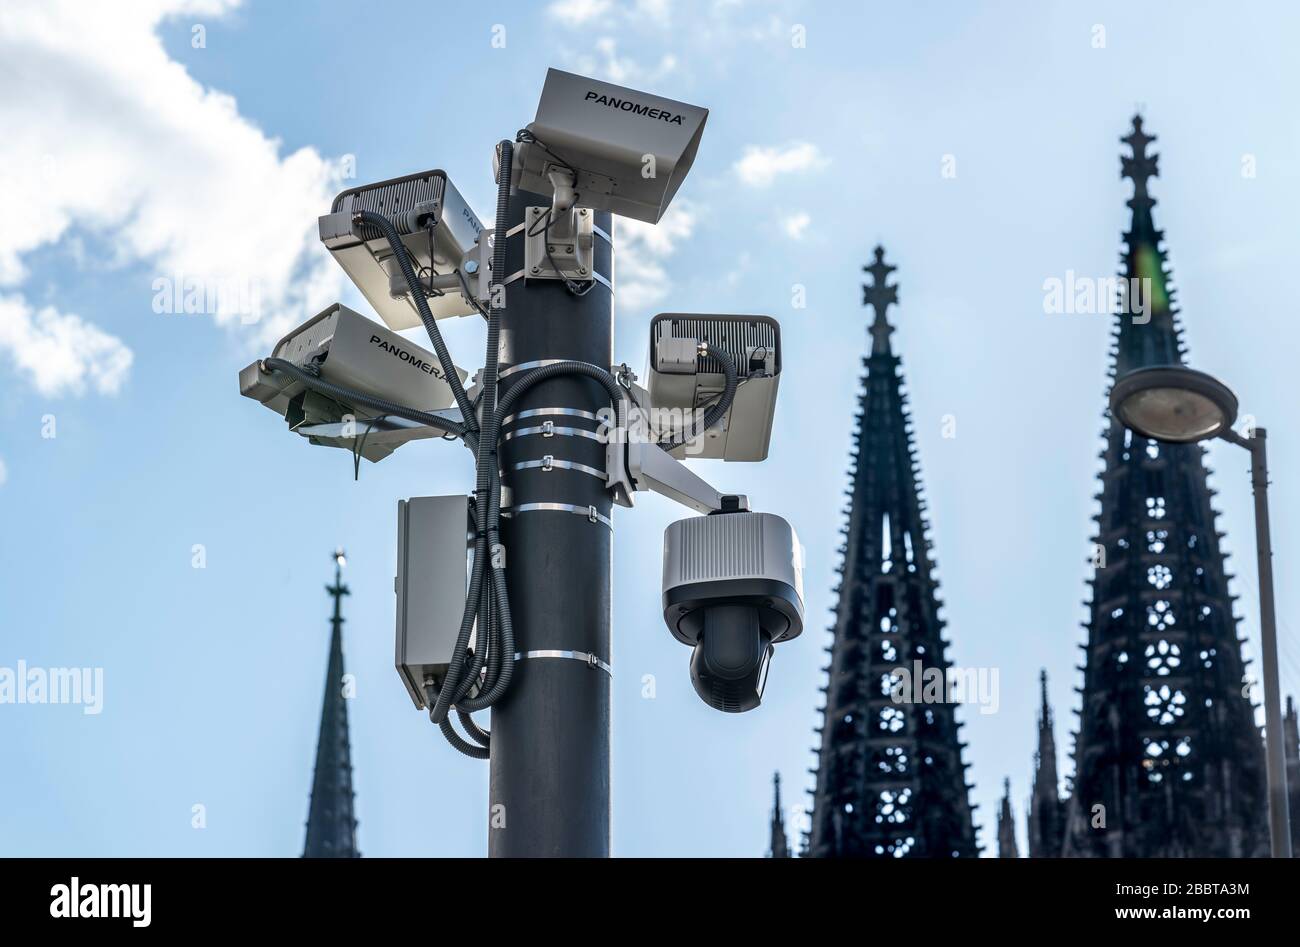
(732, 589)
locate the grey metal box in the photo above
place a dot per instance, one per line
(433, 541)
(368, 260)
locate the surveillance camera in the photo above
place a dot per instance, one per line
(732, 588)
(414, 204)
(682, 382)
(598, 145)
(347, 349)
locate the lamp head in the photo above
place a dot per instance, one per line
(1173, 404)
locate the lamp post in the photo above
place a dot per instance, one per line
(1181, 406)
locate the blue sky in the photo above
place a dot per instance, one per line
(134, 154)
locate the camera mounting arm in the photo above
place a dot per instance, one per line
(641, 465)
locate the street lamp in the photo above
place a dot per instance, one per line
(1181, 406)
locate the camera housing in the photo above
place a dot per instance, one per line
(348, 349)
(607, 148)
(732, 589)
(412, 203)
(683, 382)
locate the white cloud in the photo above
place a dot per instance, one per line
(4, 472)
(109, 138)
(760, 165)
(657, 10)
(577, 12)
(795, 225)
(608, 64)
(61, 353)
(642, 249)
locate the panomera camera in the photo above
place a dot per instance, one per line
(440, 231)
(345, 348)
(594, 144)
(682, 382)
(732, 588)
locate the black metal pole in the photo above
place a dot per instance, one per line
(1278, 815)
(549, 784)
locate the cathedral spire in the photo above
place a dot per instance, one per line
(1139, 167)
(1007, 847)
(891, 781)
(780, 845)
(1168, 760)
(331, 825)
(878, 296)
(1148, 333)
(1046, 814)
(1291, 744)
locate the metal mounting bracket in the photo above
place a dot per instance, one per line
(653, 468)
(389, 431)
(569, 238)
(632, 462)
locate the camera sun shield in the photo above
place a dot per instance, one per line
(630, 150)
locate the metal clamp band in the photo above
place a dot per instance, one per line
(541, 363)
(550, 463)
(586, 657)
(589, 512)
(542, 412)
(548, 430)
(522, 226)
(598, 277)
(598, 231)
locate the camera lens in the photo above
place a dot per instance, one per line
(730, 660)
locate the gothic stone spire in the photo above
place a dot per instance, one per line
(1168, 760)
(1046, 811)
(331, 824)
(891, 781)
(779, 846)
(1291, 743)
(878, 296)
(1007, 847)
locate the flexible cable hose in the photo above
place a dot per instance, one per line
(455, 686)
(454, 689)
(476, 733)
(454, 738)
(715, 413)
(403, 257)
(495, 604)
(351, 396)
(492, 604)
